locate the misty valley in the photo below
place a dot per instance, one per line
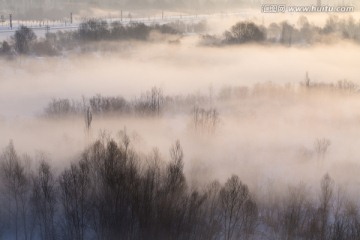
(226, 128)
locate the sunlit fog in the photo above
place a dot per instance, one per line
(178, 120)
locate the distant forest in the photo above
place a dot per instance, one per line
(303, 33)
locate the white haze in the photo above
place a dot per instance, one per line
(27, 84)
(260, 140)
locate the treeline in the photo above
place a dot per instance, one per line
(201, 106)
(25, 41)
(94, 30)
(112, 192)
(302, 33)
(150, 103)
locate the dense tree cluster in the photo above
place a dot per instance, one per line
(25, 41)
(243, 32)
(23, 38)
(94, 30)
(302, 33)
(113, 192)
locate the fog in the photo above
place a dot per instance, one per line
(275, 103)
(28, 84)
(257, 139)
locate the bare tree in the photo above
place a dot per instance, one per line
(149, 196)
(213, 218)
(243, 32)
(60, 108)
(326, 194)
(125, 141)
(23, 39)
(347, 86)
(307, 80)
(44, 199)
(287, 33)
(172, 203)
(205, 120)
(295, 212)
(88, 119)
(157, 99)
(194, 218)
(233, 198)
(74, 191)
(321, 146)
(16, 186)
(175, 181)
(151, 103)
